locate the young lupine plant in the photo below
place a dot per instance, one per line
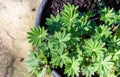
(73, 42)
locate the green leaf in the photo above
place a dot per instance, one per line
(60, 39)
(88, 71)
(53, 23)
(104, 66)
(37, 35)
(90, 13)
(116, 40)
(47, 48)
(83, 25)
(114, 44)
(102, 32)
(72, 67)
(116, 55)
(79, 51)
(108, 16)
(111, 74)
(34, 62)
(94, 48)
(117, 32)
(118, 17)
(69, 15)
(59, 57)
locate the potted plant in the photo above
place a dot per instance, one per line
(77, 44)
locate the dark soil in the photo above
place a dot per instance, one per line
(55, 6)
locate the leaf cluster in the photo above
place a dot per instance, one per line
(77, 43)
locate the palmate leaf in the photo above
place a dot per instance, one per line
(72, 67)
(104, 66)
(53, 23)
(47, 48)
(88, 71)
(69, 14)
(102, 32)
(34, 62)
(37, 35)
(116, 40)
(114, 49)
(83, 24)
(94, 48)
(90, 13)
(108, 16)
(114, 43)
(59, 57)
(60, 39)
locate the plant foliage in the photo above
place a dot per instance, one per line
(75, 43)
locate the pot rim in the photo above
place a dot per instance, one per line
(39, 13)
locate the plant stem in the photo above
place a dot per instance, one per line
(115, 28)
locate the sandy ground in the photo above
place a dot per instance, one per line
(16, 18)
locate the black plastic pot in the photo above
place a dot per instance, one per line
(39, 21)
(40, 12)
